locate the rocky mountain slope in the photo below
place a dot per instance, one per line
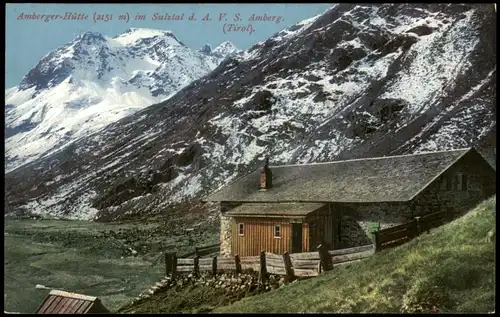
(95, 80)
(356, 81)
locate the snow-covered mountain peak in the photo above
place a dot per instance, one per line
(133, 35)
(94, 80)
(224, 49)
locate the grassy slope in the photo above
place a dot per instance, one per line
(452, 268)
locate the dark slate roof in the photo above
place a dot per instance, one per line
(59, 302)
(283, 209)
(382, 179)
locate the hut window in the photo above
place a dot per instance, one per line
(277, 231)
(241, 229)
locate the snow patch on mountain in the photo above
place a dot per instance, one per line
(133, 35)
(421, 83)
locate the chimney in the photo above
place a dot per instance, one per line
(265, 176)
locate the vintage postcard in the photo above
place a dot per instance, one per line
(250, 158)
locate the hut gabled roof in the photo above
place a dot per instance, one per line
(381, 179)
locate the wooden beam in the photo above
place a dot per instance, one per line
(196, 269)
(350, 257)
(185, 268)
(214, 266)
(368, 247)
(170, 263)
(185, 261)
(305, 264)
(237, 263)
(263, 269)
(288, 266)
(305, 256)
(168, 266)
(305, 272)
(326, 260)
(419, 230)
(376, 241)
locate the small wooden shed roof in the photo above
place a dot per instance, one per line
(380, 179)
(279, 210)
(60, 302)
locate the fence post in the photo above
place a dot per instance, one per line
(170, 264)
(214, 266)
(237, 263)
(196, 270)
(418, 226)
(263, 268)
(325, 258)
(196, 252)
(174, 265)
(376, 241)
(288, 265)
(167, 264)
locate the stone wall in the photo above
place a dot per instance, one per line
(480, 180)
(235, 285)
(481, 184)
(356, 217)
(225, 235)
(226, 228)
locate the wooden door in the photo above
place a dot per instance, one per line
(296, 238)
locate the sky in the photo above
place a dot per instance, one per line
(27, 41)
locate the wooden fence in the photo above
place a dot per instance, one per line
(206, 250)
(397, 235)
(201, 251)
(198, 251)
(291, 265)
(307, 263)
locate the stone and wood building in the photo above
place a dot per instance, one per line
(295, 208)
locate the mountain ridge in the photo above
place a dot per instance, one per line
(357, 81)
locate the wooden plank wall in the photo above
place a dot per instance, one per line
(275, 264)
(250, 263)
(259, 235)
(305, 264)
(323, 227)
